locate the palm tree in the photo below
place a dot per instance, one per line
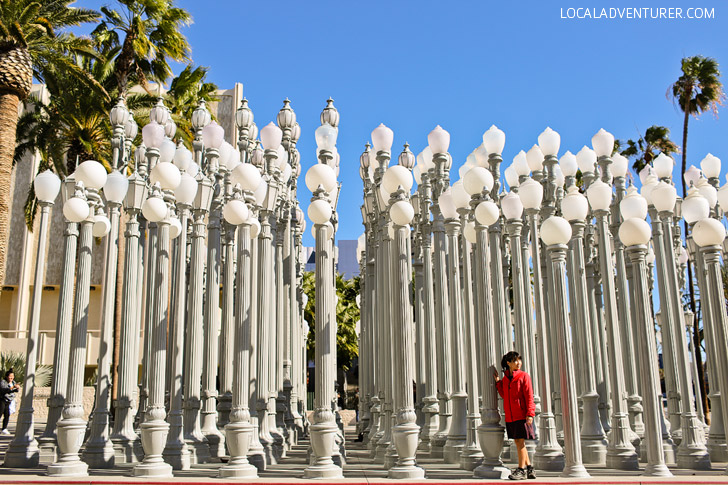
(148, 35)
(656, 140)
(32, 44)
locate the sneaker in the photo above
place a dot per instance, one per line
(529, 472)
(5, 432)
(518, 474)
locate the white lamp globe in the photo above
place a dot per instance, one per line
(401, 213)
(695, 207)
(319, 211)
(635, 232)
(711, 166)
(568, 164)
(494, 140)
(549, 142)
(469, 232)
(167, 150)
(555, 230)
(531, 194)
(417, 172)
(235, 212)
(154, 209)
(182, 157)
(464, 169)
(76, 209)
(708, 191)
(382, 139)
(633, 205)
(101, 226)
(321, 175)
(247, 176)
(520, 164)
(664, 197)
(193, 169)
(427, 158)
(439, 140)
(663, 165)
(397, 176)
(186, 190)
(646, 171)
(329, 231)
(447, 205)
(511, 176)
(326, 137)
(234, 159)
(225, 151)
(487, 213)
(648, 187)
(166, 174)
(534, 157)
(115, 187)
(212, 135)
(271, 136)
(92, 174)
(620, 165)
(723, 198)
(586, 159)
(511, 206)
(603, 143)
(574, 206)
(283, 157)
(153, 135)
(260, 192)
(708, 232)
(175, 227)
(46, 186)
(477, 179)
(599, 195)
(287, 170)
(692, 175)
(559, 177)
(481, 156)
(460, 196)
(254, 227)
(683, 256)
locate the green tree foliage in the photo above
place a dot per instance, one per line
(644, 149)
(16, 361)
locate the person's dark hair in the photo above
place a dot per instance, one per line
(509, 357)
(8, 372)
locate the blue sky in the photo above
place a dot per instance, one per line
(464, 65)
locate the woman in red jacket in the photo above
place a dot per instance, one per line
(517, 392)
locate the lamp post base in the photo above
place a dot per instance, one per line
(70, 437)
(660, 470)
(22, 454)
(575, 471)
(406, 473)
(100, 454)
(471, 458)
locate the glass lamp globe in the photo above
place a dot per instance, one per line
(586, 160)
(635, 232)
(131, 128)
(520, 164)
(101, 226)
(320, 174)
(549, 142)
(329, 231)
(287, 170)
(477, 179)
(166, 174)
(244, 115)
(645, 173)
(326, 137)
(460, 196)
(119, 114)
(464, 169)
(154, 209)
(401, 212)
(224, 154)
(76, 209)
(603, 143)
(568, 165)
(664, 197)
(255, 226)
(511, 206)
(487, 213)
(447, 205)
(683, 256)
(182, 157)
(115, 187)
(193, 169)
(407, 158)
(692, 175)
(235, 212)
(469, 232)
(633, 205)
(247, 176)
(319, 211)
(153, 135)
(648, 187)
(663, 165)
(511, 176)
(534, 157)
(382, 139)
(599, 195)
(695, 207)
(708, 232)
(175, 227)
(439, 140)
(186, 190)
(494, 140)
(170, 128)
(397, 176)
(92, 174)
(620, 165)
(722, 198)
(531, 194)
(260, 193)
(283, 157)
(167, 150)
(200, 117)
(574, 206)
(46, 186)
(213, 135)
(555, 230)
(364, 159)
(427, 158)
(481, 156)
(650, 258)
(710, 166)
(234, 159)
(708, 191)
(417, 172)
(559, 178)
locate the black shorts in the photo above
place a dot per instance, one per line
(520, 430)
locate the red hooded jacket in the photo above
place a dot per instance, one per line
(517, 393)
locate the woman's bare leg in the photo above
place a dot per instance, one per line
(523, 460)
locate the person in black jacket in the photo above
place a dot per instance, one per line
(8, 387)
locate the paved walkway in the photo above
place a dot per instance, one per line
(359, 469)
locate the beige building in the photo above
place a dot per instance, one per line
(17, 288)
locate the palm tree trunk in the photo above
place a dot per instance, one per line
(8, 123)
